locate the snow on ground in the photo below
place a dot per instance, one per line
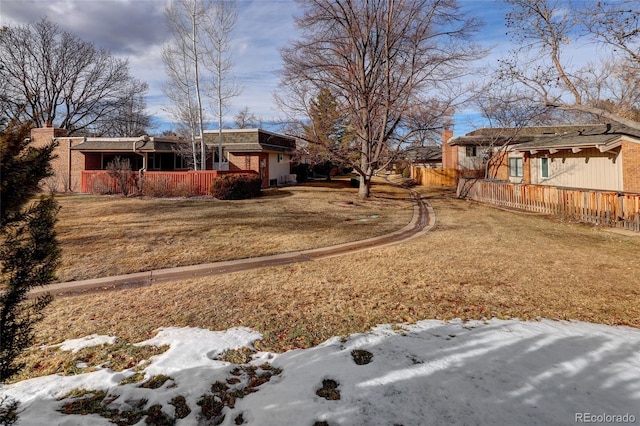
(431, 373)
(74, 345)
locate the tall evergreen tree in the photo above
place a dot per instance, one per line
(29, 251)
(328, 134)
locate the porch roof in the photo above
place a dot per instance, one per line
(604, 142)
(142, 144)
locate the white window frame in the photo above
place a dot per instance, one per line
(544, 160)
(516, 167)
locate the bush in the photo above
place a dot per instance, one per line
(236, 186)
(302, 172)
(101, 184)
(120, 170)
(160, 187)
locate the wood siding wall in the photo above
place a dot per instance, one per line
(612, 209)
(588, 168)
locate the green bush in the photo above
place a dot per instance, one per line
(236, 186)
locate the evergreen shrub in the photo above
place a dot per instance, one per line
(236, 186)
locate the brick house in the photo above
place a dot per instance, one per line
(77, 154)
(266, 153)
(597, 156)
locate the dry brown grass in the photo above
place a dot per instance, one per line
(478, 262)
(105, 236)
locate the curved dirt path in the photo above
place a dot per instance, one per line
(422, 221)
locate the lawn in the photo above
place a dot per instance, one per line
(104, 236)
(478, 262)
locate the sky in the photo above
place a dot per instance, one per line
(135, 30)
(497, 372)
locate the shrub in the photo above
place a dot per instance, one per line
(164, 187)
(302, 172)
(236, 186)
(101, 184)
(120, 170)
(160, 187)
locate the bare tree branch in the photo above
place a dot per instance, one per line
(378, 58)
(52, 77)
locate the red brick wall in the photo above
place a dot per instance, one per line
(631, 166)
(251, 161)
(449, 153)
(244, 162)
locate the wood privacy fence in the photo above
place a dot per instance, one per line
(612, 209)
(188, 183)
(434, 177)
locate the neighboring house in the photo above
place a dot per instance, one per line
(267, 153)
(596, 156)
(424, 156)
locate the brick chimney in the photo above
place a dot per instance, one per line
(449, 153)
(61, 165)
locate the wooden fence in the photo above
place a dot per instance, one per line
(188, 183)
(612, 209)
(434, 177)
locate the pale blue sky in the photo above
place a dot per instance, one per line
(135, 29)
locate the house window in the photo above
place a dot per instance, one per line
(153, 162)
(181, 162)
(280, 157)
(471, 151)
(515, 167)
(544, 168)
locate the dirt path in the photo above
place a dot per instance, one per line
(422, 221)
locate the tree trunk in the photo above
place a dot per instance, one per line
(364, 190)
(196, 77)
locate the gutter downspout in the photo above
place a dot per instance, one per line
(68, 188)
(144, 139)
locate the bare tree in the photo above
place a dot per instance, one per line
(131, 119)
(51, 76)
(180, 88)
(223, 19)
(544, 29)
(378, 58)
(185, 20)
(616, 23)
(245, 119)
(198, 61)
(424, 121)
